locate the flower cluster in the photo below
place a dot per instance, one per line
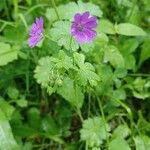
(82, 29)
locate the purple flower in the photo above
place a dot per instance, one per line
(83, 27)
(36, 32)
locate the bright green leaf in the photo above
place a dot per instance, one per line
(7, 141)
(61, 33)
(6, 108)
(119, 144)
(86, 71)
(145, 52)
(142, 142)
(43, 70)
(94, 131)
(113, 55)
(130, 30)
(106, 26)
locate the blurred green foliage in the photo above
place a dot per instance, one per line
(64, 96)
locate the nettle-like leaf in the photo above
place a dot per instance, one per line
(94, 131)
(50, 71)
(7, 53)
(113, 55)
(63, 61)
(61, 33)
(67, 12)
(86, 71)
(71, 92)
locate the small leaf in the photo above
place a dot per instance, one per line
(22, 103)
(13, 92)
(130, 30)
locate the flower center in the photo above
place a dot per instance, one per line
(80, 27)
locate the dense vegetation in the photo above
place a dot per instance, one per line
(65, 95)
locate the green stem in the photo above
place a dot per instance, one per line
(80, 115)
(104, 119)
(8, 23)
(55, 8)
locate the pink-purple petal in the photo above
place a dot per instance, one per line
(90, 35)
(83, 27)
(36, 32)
(85, 16)
(77, 17)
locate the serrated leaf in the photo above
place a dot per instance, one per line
(86, 71)
(71, 92)
(61, 33)
(64, 61)
(43, 70)
(119, 143)
(7, 54)
(130, 30)
(7, 141)
(93, 131)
